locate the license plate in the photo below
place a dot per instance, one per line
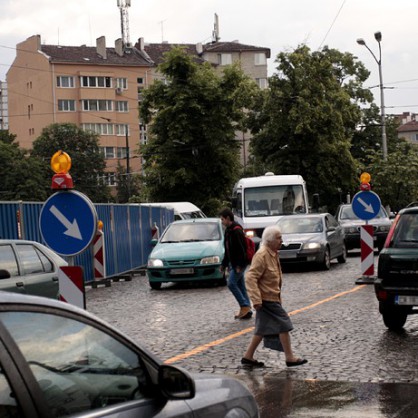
(406, 300)
(284, 255)
(182, 271)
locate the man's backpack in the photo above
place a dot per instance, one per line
(249, 246)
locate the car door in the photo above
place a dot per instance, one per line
(9, 262)
(334, 235)
(80, 368)
(38, 272)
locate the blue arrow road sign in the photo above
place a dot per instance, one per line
(68, 222)
(366, 205)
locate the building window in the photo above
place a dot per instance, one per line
(108, 179)
(100, 82)
(262, 83)
(140, 80)
(122, 83)
(121, 152)
(65, 82)
(99, 128)
(108, 152)
(225, 59)
(66, 105)
(416, 137)
(122, 106)
(260, 59)
(97, 105)
(122, 130)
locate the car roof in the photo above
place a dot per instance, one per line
(304, 215)
(197, 220)
(412, 209)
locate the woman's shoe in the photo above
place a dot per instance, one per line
(252, 363)
(298, 362)
(245, 313)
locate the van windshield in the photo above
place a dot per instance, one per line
(274, 201)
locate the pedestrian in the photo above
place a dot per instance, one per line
(235, 260)
(264, 282)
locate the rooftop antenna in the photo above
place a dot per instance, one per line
(215, 32)
(124, 21)
(162, 29)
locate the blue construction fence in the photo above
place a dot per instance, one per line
(127, 230)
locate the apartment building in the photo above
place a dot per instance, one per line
(4, 111)
(96, 88)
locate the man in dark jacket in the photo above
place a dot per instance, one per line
(235, 260)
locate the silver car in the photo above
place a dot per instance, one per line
(57, 360)
(29, 267)
(311, 238)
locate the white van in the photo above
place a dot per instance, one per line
(182, 210)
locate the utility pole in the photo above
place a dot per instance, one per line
(128, 175)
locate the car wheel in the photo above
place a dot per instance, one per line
(326, 261)
(393, 317)
(155, 285)
(343, 257)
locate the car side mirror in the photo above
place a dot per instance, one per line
(4, 274)
(175, 383)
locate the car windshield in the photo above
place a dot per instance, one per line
(406, 232)
(347, 213)
(190, 232)
(300, 225)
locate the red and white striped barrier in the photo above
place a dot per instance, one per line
(71, 286)
(99, 257)
(367, 250)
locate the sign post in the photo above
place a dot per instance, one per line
(366, 205)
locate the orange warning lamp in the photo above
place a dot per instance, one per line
(60, 165)
(365, 182)
(99, 225)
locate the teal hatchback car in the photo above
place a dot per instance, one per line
(188, 250)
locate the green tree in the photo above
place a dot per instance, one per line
(307, 118)
(21, 177)
(396, 179)
(88, 163)
(128, 188)
(192, 153)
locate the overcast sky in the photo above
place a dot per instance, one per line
(280, 25)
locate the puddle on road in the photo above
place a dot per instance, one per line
(278, 397)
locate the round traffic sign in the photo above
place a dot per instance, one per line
(68, 222)
(366, 205)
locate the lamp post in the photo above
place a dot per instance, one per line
(361, 41)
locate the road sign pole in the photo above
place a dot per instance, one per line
(367, 255)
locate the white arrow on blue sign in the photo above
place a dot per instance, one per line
(68, 222)
(366, 205)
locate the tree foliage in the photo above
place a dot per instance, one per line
(21, 177)
(88, 162)
(306, 120)
(192, 154)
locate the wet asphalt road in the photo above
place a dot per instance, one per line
(357, 368)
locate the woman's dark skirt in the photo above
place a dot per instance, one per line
(272, 319)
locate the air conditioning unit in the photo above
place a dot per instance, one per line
(118, 90)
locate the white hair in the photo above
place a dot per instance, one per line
(269, 234)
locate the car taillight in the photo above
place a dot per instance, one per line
(382, 295)
(391, 232)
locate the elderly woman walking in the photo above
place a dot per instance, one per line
(264, 281)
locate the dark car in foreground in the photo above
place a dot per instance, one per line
(57, 360)
(29, 267)
(311, 238)
(352, 224)
(396, 285)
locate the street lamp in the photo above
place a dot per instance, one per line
(361, 41)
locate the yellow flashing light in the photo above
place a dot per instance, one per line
(61, 162)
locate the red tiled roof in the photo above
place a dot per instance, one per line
(409, 127)
(156, 51)
(88, 55)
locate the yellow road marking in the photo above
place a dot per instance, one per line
(205, 347)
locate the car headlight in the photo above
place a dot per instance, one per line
(350, 230)
(210, 260)
(155, 262)
(383, 228)
(311, 246)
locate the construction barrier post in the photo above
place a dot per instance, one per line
(71, 286)
(99, 256)
(367, 255)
